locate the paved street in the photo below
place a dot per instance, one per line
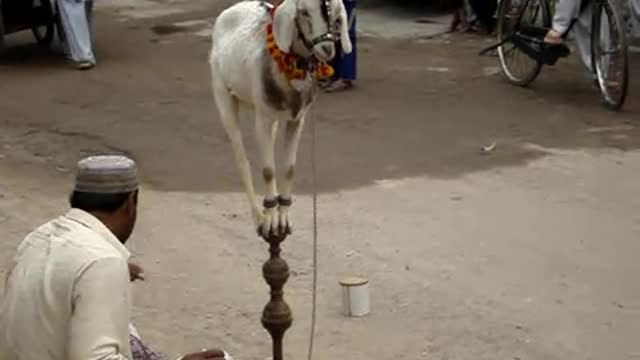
(526, 252)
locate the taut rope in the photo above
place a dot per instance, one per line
(315, 238)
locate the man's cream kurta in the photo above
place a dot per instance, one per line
(67, 294)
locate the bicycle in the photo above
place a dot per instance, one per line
(524, 27)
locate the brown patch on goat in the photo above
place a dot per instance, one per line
(295, 103)
(279, 97)
(290, 173)
(275, 96)
(268, 174)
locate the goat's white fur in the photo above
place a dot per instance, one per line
(237, 61)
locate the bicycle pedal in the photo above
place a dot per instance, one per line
(550, 54)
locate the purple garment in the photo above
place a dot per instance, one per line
(139, 351)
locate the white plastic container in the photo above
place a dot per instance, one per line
(355, 296)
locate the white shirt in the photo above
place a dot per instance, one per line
(67, 294)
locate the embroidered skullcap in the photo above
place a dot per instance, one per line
(106, 174)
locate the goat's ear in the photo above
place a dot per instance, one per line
(345, 40)
(284, 24)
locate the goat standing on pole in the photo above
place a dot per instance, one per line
(269, 59)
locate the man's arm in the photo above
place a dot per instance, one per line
(100, 316)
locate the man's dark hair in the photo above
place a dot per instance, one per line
(97, 202)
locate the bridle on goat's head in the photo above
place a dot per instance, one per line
(290, 64)
(332, 34)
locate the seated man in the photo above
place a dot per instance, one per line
(67, 292)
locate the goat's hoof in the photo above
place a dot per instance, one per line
(269, 224)
(284, 229)
(284, 224)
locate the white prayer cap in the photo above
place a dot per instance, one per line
(106, 174)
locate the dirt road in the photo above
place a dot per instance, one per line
(529, 252)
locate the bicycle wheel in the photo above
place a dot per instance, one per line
(517, 67)
(610, 60)
(1, 27)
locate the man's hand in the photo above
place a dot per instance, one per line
(205, 354)
(135, 272)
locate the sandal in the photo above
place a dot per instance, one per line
(338, 86)
(323, 84)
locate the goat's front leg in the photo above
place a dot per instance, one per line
(266, 130)
(293, 133)
(228, 109)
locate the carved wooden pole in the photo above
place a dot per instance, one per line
(276, 317)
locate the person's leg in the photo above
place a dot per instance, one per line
(484, 10)
(336, 63)
(139, 350)
(456, 19)
(89, 14)
(565, 12)
(349, 61)
(492, 8)
(582, 33)
(73, 16)
(345, 64)
(633, 7)
(470, 16)
(462, 16)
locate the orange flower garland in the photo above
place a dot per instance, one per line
(287, 63)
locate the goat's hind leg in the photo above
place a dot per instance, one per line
(228, 109)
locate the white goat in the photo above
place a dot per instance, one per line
(244, 73)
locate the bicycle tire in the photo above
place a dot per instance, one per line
(2, 30)
(601, 6)
(501, 30)
(44, 32)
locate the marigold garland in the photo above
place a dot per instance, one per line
(288, 63)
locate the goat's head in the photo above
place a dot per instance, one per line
(318, 23)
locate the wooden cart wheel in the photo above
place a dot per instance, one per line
(44, 32)
(1, 27)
